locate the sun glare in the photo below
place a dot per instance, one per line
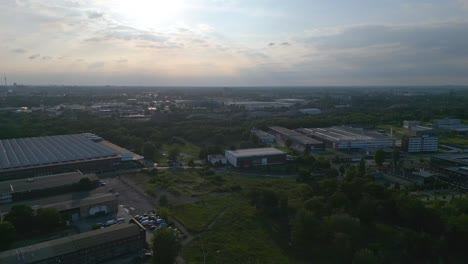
(149, 13)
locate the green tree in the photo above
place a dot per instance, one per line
(163, 201)
(395, 156)
(379, 157)
(85, 184)
(165, 246)
(21, 216)
(362, 167)
(48, 219)
(365, 256)
(7, 235)
(148, 151)
(191, 163)
(173, 153)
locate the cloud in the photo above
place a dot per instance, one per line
(127, 33)
(34, 56)
(96, 65)
(95, 14)
(19, 50)
(463, 3)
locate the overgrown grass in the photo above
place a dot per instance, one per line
(455, 141)
(238, 236)
(197, 216)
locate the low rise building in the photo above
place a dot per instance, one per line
(451, 125)
(92, 247)
(296, 138)
(40, 187)
(349, 138)
(310, 111)
(217, 160)
(264, 137)
(245, 158)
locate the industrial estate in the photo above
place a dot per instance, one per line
(114, 178)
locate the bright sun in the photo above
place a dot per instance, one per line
(149, 13)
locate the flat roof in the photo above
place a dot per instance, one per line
(344, 133)
(461, 159)
(66, 245)
(125, 154)
(43, 182)
(255, 152)
(296, 136)
(39, 151)
(77, 203)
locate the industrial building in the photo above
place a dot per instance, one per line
(417, 144)
(245, 158)
(454, 167)
(310, 111)
(74, 207)
(415, 128)
(451, 125)
(264, 137)
(349, 138)
(296, 138)
(92, 247)
(37, 156)
(40, 187)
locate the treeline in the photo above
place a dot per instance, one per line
(358, 221)
(22, 222)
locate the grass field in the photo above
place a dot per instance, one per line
(455, 141)
(238, 236)
(197, 216)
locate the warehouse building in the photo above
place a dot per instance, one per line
(453, 167)
(28, 157)
(264, 137)
(417, 144)
(74, 207)
(296, 138)
(349, 138)
(40, 187)
(245, 158)
(455, 125)
(92, 247)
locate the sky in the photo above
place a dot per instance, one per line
(234, 42)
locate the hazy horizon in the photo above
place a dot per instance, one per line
(234, 43)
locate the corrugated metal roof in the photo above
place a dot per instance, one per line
(255, 152)
(43, 182)
(61, 246)
(40, 151)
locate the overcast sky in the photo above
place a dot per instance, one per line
(234, 42)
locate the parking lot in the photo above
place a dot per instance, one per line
(130, 203)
